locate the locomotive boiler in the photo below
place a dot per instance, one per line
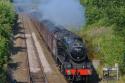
(67, 48)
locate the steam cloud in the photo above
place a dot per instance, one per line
(67, 13)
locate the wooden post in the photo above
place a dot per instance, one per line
(117, 69)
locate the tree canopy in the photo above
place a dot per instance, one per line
(105, 30)
(7, 16)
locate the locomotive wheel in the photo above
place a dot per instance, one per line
(57, 61)
(59, 67)
(62, 69)
(59, 64)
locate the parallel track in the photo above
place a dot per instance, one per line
(38, 77)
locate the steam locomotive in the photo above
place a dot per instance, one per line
(67, 48)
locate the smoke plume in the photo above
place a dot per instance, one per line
(67, 13)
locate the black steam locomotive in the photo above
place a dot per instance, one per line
(67, 48)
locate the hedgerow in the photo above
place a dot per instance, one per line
(7, 17)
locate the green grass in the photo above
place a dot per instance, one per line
(103, 43)
(105, 31)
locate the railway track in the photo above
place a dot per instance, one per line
(35, 71)
(35, 68)
(40, 64)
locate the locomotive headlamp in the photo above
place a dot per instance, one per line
(78, 57)
(89, 72)
(69, 66)
(88, 65)
(69, 72)
(83, 66)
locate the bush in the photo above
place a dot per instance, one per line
(7, 16)
(107, 17)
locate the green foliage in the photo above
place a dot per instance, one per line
(113, 11)
(2, 76)
(7, 16)
(105, 32)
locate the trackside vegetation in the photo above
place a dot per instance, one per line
(105, 31)
(7, 16)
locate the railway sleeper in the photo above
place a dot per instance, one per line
(37, 78)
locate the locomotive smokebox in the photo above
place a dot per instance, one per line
(73, 46)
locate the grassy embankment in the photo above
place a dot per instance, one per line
(105, 31)
(7, 16)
